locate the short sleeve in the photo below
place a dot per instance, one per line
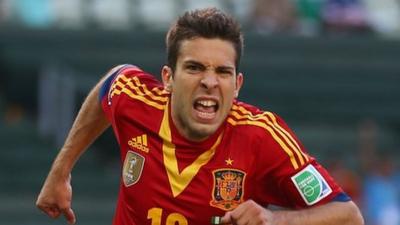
(293, 178)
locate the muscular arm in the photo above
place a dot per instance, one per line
(333, 213)
(56, 194)
(88, 125)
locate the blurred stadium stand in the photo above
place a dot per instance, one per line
(324, 86)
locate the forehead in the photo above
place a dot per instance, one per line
(207, 51)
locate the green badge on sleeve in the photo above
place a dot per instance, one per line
(311, 185)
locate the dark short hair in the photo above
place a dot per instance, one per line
(205, 23)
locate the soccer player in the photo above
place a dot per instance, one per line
(190, 151)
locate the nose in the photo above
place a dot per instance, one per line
(210, 80)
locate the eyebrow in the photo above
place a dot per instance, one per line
(230, 68)
(194, 63)
(202, 65)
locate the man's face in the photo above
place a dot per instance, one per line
(203, 86)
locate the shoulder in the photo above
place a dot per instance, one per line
(133, 83)
(134, 73)
(270, 131)
(249, 122)
(249, 116)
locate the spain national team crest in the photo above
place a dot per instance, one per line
(132, 169)
(228, 188)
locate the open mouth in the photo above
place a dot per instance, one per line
(206, 109)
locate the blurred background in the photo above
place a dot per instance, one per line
(330, 68)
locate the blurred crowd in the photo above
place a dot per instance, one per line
(303, 17)
(373, 180)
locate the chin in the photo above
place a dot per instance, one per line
(203, 131)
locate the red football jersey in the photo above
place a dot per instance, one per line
(167, 179)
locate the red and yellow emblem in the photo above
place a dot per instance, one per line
(228, 188)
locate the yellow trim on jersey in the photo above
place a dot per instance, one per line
(179, 181)
(272, 132)
(149, 93)
(140, 95)
(287, 134)
(145, 91)
(288, 141)
(286, 144)
(274, 124)
(263, 117)
(159, 91)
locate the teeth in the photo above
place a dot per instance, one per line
(207, 103)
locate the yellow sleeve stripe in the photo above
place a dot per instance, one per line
(274, 124)
(271, 131)
(121, 83)
(159, 91)
(292, 140)
(138, 97)
(288, 138)
(288, 143)
(155, 94)
(128, 87)
(137, 85)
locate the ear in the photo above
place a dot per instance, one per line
(167, 78)
(239, 83)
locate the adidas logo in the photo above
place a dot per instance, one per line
(139, 142)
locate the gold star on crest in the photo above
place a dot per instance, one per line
(229, 162)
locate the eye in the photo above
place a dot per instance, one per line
(225, 72)
(192, 68)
